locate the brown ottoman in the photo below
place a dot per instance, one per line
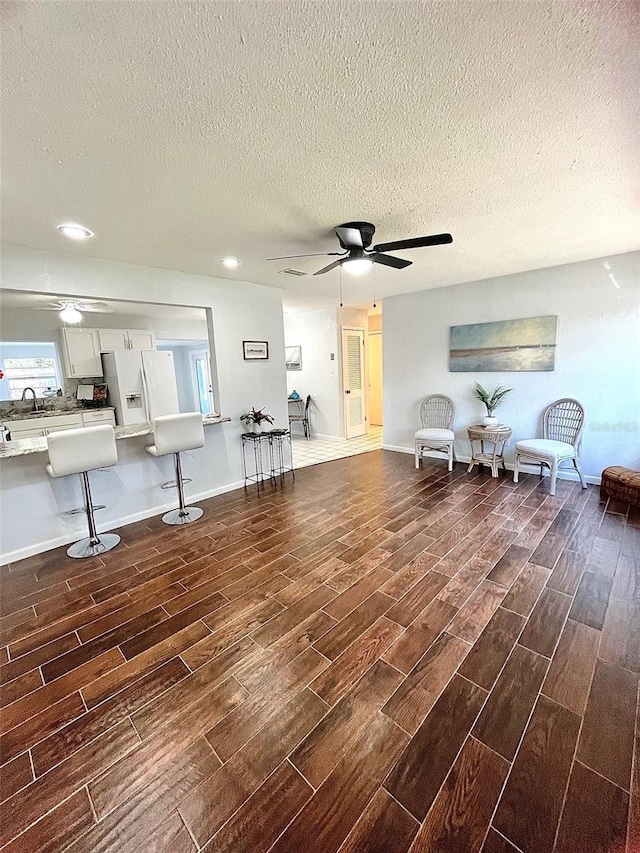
(622, 484)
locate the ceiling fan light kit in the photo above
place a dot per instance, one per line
(357, 263)
(70, 313)
(359, 255)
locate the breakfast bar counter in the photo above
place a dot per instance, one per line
(24, 446)
(35, 508)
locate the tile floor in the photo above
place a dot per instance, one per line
(317, 450)
(367, 659)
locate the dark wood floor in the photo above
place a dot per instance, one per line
(372, 658)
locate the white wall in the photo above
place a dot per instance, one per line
(316, 332)
(319, 333)
(597, 355)
(240, 311)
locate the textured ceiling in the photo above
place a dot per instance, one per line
(183, 131)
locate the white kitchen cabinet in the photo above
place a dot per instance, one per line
(25, 433)
(141, 340)
(113, 340)
(38, 427)
(81, 353)
(116, 340)
(94, 417)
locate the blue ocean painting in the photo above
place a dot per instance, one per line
(508, 345)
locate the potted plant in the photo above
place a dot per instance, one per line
(255, 418)
(491, 401)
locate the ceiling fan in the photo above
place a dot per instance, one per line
(358, 255)
(71, 311)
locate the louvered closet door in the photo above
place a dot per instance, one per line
(353, 382)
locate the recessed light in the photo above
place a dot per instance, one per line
(230, 263)
(75, 232)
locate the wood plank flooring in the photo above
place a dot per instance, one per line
(370, 659)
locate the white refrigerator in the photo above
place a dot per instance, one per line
(141, 385)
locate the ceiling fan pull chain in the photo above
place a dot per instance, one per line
(341, 286)
(374, 286)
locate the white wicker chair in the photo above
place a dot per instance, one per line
(562, 428)
(436, 416)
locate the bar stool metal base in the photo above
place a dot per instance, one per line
(94, 544)
(171, 484)
(93, 547)
(81, 510)
(183, 516)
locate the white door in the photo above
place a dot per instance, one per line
(201, 380)
(353, 382)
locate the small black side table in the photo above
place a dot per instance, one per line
(281, 453)
(279, 458)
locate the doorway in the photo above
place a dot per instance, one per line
(374, 378)
(201, 380)
(353, 382)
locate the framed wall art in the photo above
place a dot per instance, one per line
(293, 358)
(509, 345)
(255, 350)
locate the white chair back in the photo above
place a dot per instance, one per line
(73, 451)
(175, 433)
(437, 412)
(563, 420)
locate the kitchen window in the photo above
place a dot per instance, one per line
(29, 365)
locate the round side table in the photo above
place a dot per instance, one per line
(495, 436)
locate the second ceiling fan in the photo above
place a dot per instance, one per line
(358, 255)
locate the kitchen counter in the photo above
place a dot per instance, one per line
(52, 413)
(25, 446)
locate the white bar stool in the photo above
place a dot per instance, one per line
(78, 451)
(174, 434)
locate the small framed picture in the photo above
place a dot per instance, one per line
(255, 350)
(293, 358)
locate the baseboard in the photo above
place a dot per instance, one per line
(398, 449)
(67, 539)
(322, 436)
(563, 474)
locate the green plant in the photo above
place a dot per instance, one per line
(256, 416)
(491, 400)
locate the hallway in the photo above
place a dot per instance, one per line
(317, 450)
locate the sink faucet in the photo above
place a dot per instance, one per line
(36, 407)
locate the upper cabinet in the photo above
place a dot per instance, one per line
(139, 339)
(81, 353)
(81, 348)
(113, 340)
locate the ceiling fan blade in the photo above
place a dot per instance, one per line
(327, 269)
(415, 243)
(312, 255)
(350, 236)
(390, 261)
